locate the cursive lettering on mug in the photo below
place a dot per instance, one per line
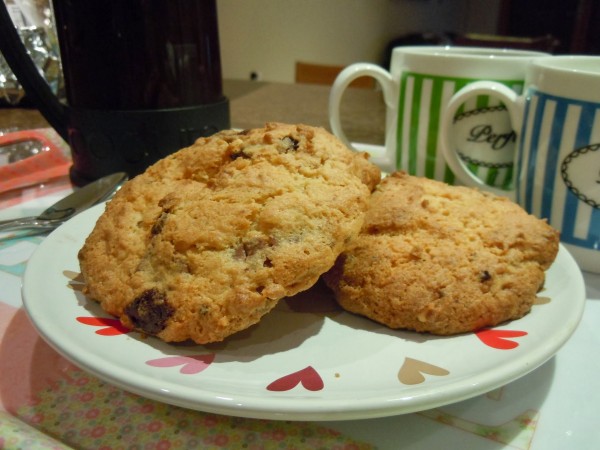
(485, 134)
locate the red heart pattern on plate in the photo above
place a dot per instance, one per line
(412, 371)
(191, 365)
(112, 327)
(308, 377)
(500, 338)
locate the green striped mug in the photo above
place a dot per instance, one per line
(416, 90)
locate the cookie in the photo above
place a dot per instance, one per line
(207, 240)
(442, 259)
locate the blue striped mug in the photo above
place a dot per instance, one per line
(557, 173)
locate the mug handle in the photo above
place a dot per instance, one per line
(512, 102)
(387, 160)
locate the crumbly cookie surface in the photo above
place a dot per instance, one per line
(442, 259)
(207, 240)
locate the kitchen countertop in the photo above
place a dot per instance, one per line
(252, 103)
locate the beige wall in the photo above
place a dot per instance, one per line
(269, 36)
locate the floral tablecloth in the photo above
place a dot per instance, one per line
(47, 402)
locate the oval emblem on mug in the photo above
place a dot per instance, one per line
(485, 137)
(580, 170)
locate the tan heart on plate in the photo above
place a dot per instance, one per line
(412, 371)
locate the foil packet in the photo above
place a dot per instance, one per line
(35, 25)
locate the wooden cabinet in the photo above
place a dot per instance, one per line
(575, 23)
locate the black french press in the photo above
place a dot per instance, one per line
(142, 80)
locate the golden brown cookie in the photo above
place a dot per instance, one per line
(207, 240)
(442, 259)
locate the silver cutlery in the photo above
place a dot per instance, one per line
(74, 203)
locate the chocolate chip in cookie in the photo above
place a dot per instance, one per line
(150, 311)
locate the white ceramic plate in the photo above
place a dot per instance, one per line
(306, 360)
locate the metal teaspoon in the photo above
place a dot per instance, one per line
(80, 200)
